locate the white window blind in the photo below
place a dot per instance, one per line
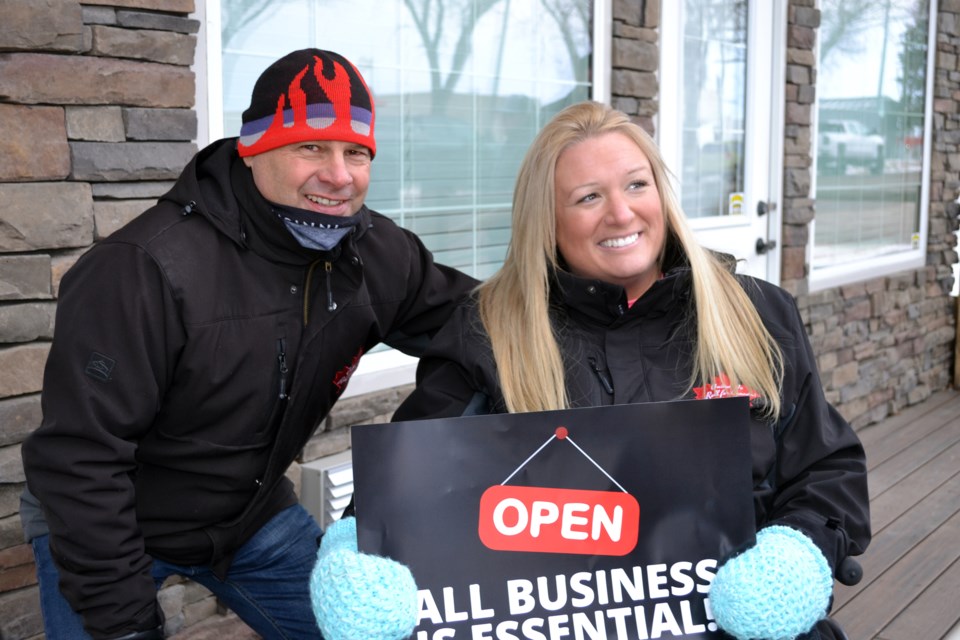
(461, 87)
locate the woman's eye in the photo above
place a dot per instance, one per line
(590, 197)
(638, 184)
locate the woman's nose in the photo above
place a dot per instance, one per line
(618, 209)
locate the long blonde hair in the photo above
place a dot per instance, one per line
(514, 302)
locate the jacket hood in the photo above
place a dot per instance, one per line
(212, 185)
(205, 187)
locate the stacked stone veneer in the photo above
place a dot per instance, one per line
(634, 88)
(96, 120)
(886, 342)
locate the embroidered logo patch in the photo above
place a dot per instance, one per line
(721, 388)
(342, 377)
(100, 366)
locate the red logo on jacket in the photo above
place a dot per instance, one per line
(721, 388)
(342, 377)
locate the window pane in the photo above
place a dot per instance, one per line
(871, 84)
(461, 88)
(714, 110)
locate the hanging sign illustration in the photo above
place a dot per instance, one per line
(559, 520)
(597, 523)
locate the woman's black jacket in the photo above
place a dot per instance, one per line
(809, 470)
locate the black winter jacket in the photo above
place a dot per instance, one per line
(809, 470)
(196, 351)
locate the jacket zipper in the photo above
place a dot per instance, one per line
(331, 304)
(604, 380)
(328, 268)
(282, 362)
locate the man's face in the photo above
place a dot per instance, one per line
(326, 176)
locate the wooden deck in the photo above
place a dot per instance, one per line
(911, 571)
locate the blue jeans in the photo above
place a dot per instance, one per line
(268, 585)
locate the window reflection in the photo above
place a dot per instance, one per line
(869, 136)
(714, 109)
(461, 88)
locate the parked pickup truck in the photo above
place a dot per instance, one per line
(847, 142)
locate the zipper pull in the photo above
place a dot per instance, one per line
(331, 305)
(282, 360)
(604, 380)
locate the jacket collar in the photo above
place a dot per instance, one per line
(222, 189)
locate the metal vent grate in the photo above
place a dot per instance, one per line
(326, 486)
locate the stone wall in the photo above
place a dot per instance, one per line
(634, 88)
(96, 119)
(887, 342)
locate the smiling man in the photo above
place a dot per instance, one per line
(196, 351)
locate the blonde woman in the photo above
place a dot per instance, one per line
(605, 297)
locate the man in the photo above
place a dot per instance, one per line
(196, 351)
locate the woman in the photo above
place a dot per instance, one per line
(605, 297)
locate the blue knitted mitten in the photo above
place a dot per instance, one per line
(776, 590)
(359, 595)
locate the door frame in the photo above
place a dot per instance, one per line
(765, 121)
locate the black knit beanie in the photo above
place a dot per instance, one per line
(308, 94)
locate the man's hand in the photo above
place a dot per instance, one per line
(776, 590)
(358, 595)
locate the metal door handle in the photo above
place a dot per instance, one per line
(763, 246)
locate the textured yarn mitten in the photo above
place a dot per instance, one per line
(359, 595)
(776, 590)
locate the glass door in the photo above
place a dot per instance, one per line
(720, 123)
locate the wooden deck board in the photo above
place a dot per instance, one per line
(895, 424)
(888, 506)
(883, 600)
(912, 568)
(881, 443)
(898, 467)
(927, 616)
(903, 534)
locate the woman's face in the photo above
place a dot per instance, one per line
(610, 224)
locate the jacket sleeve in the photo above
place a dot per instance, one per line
(821, 474)
(433, 291)
(452, 380)
(113, 348)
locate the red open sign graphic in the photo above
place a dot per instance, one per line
(550, 520)
(604, 523)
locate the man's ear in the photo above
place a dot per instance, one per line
(248, 160)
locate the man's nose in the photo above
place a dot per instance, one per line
(334, 171)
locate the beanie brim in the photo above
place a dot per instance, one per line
(267, 133)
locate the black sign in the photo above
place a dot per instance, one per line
(600, 523)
